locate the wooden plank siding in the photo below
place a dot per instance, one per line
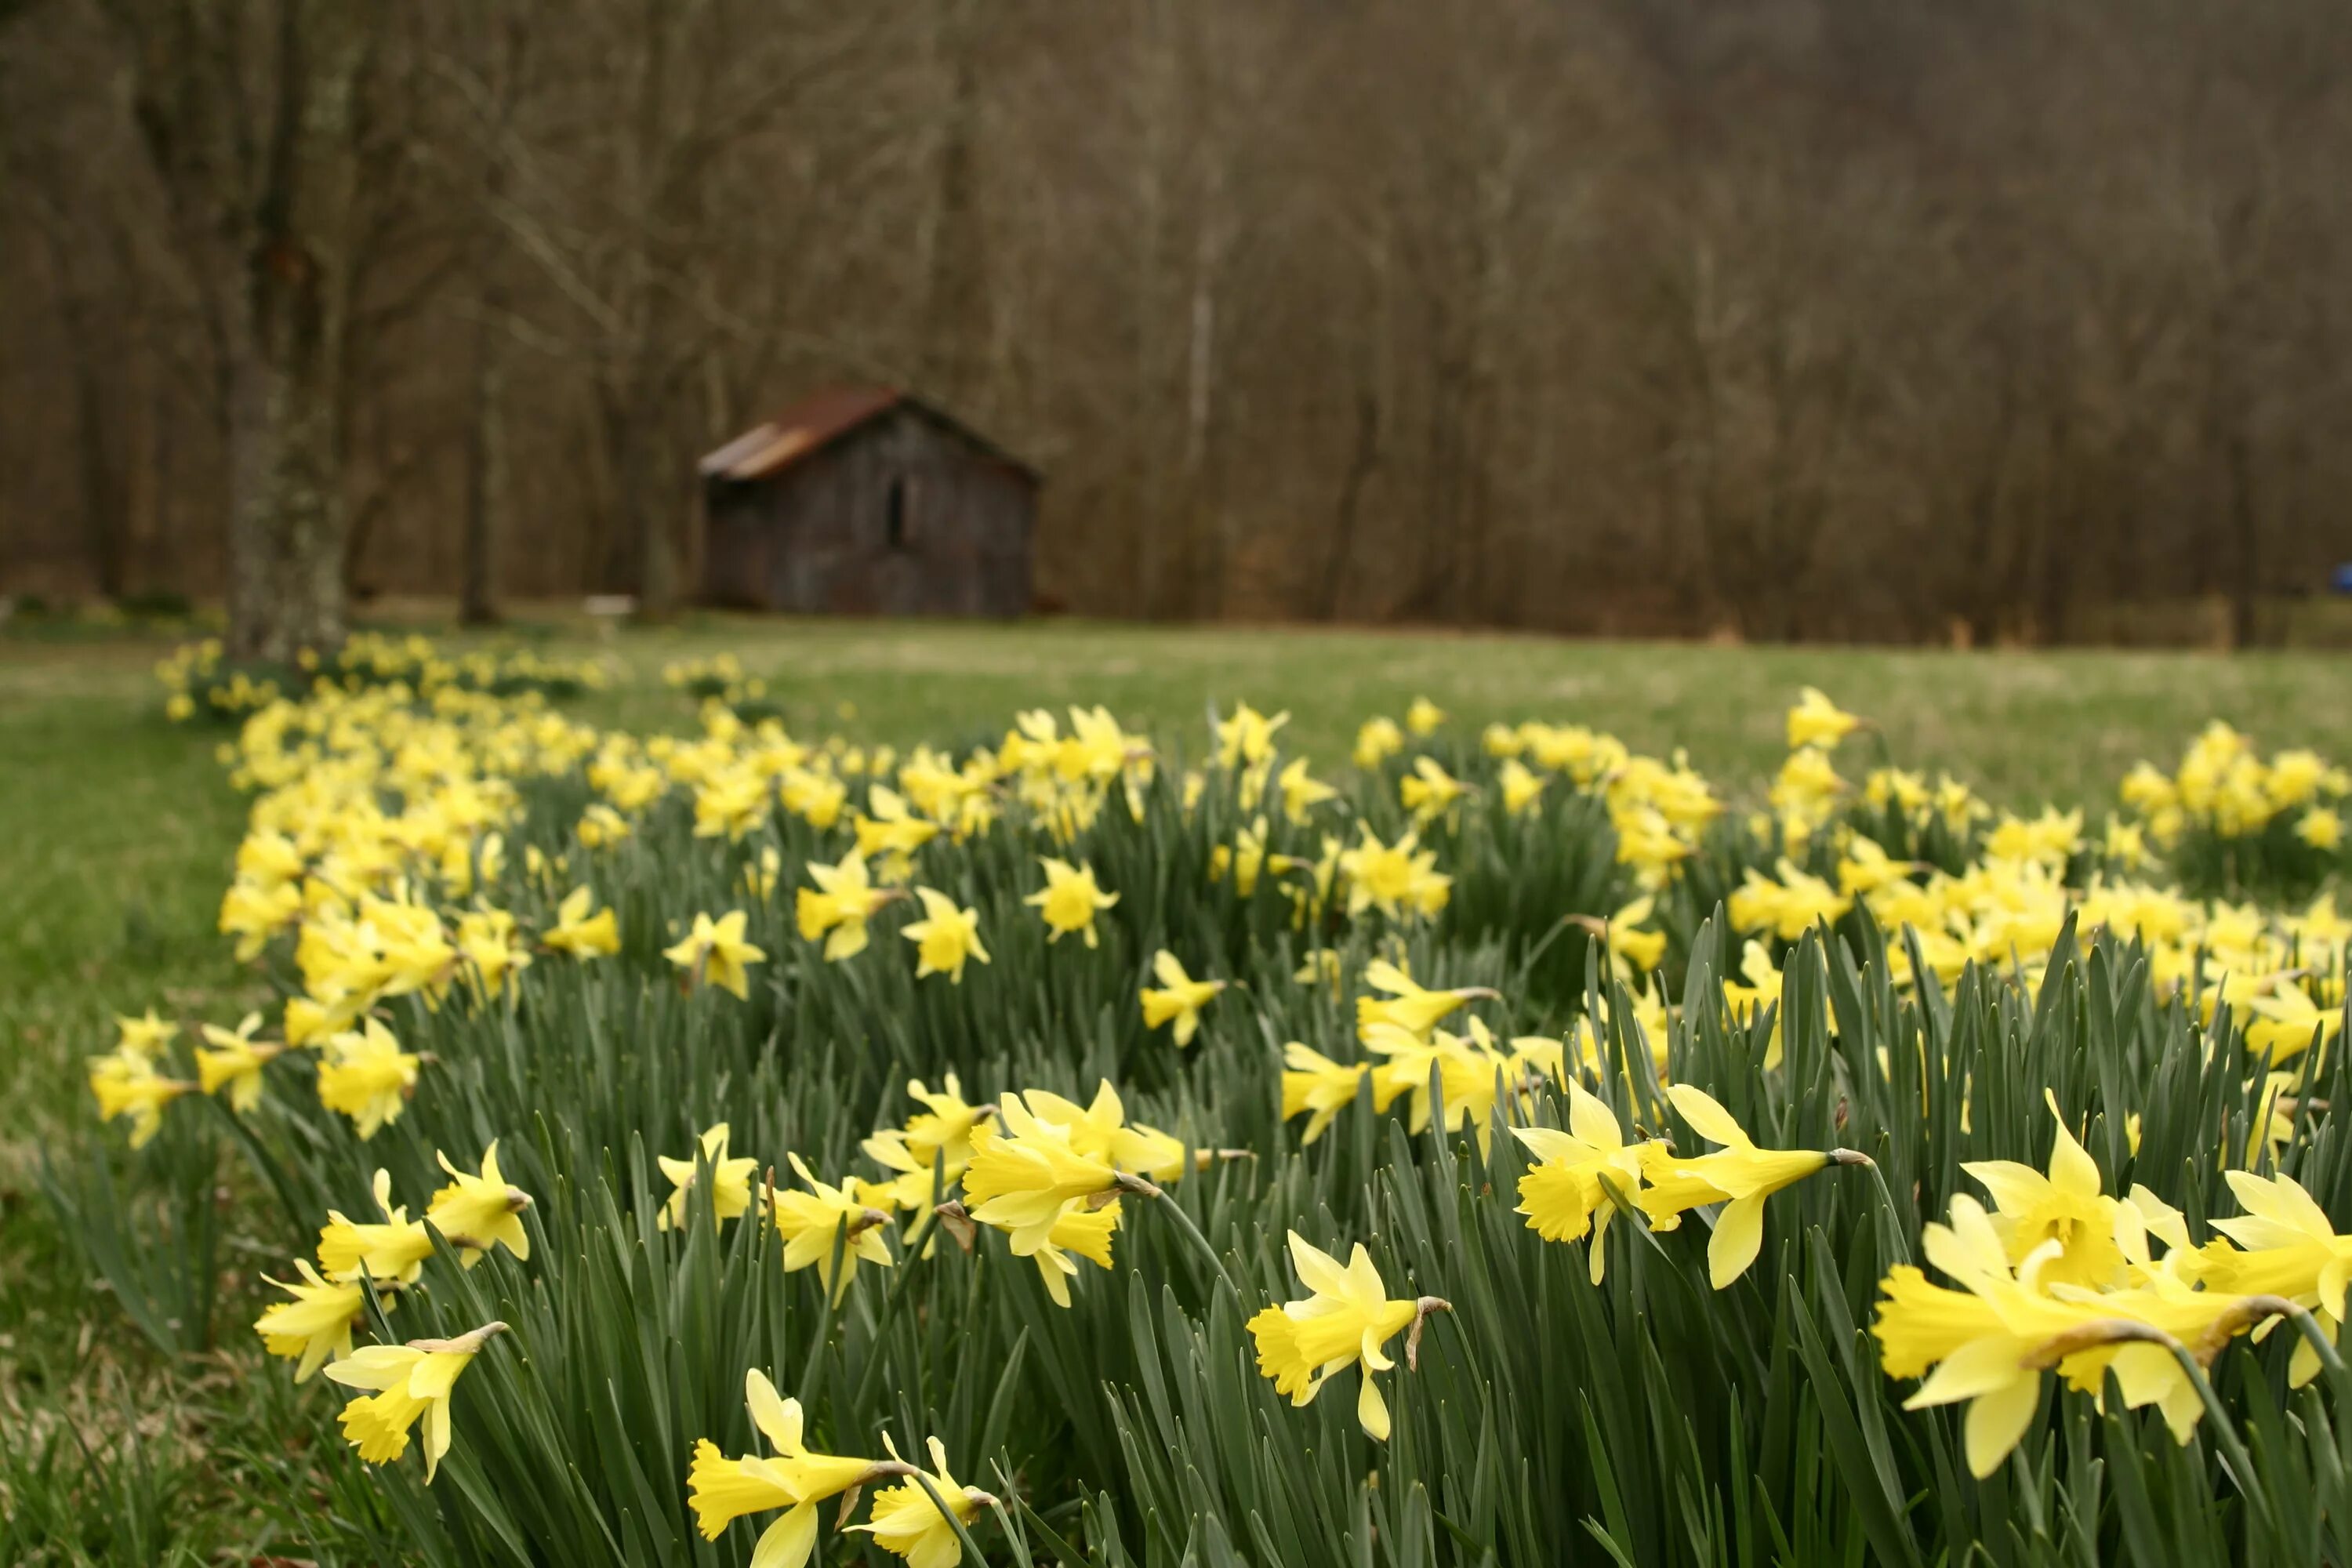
(903, 515)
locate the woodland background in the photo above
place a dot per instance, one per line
(1886, 319)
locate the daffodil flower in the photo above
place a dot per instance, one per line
(1024, 1177)
(816, 1222)
(730, 1181)
(1344, 1320)
(578, 932)
(316, 1324)
(1407, 1005)
(796, 1478)
(1179, 997)
(840, 904)
(145, 1036)
(126, 1084)
(1429, 791)
(2069, 1206)
(1582, 1178)
(1247, 736)
(478, 1211)
(394, 1249)
(413, 1382)
(367, 1076)
(1739, 1175)
(1313, 1082)
(945, 937)
(716, 951)
(908, 1523)
(1301, 791)
(1069, 900)
(1817, 722)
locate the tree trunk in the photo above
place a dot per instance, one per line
(486, 472)
(651, 502)
(1365, 458)
(286, 534)
(2245, 525)
(269, 243)
(955, 290)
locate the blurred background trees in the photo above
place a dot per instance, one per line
(1782, 318)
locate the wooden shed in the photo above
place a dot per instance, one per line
(867, 501)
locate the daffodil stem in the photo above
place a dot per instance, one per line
(2235, 1456)
(1894, 1231)
(1185, 1222)
(2317, 1337)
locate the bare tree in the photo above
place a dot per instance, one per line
(252, 112)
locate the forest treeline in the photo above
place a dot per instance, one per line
(1783, 318)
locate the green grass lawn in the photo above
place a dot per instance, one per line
(120, 827)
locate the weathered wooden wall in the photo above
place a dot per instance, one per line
(816, 537)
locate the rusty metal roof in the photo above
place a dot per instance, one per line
(817, 420)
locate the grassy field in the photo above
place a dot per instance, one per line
(119, 829)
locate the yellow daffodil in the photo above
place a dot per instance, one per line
(367, 1076)
(1300, 793)
(1084, 1231)
(795, 1479)
(2287, 1247)
(478, 1211)
(1582, 1178)
(601, 826)
(233, 1059)
(816, 1222)
(730, 1181)
(2287, 1022)
(1788, 907)
(487, 939)
(1069, 900)
(1407, 1005)
(1762, 990)
(1987, 1342)
(1377, 739)
(316, 1324)
(1101, 1130)
(145, 1036)
(1312, 1081)
(1179, 997)
(1024, 1177)
(1817, 722)
(579, 933)
(947, 1122)
(1247, 736)
(413, 1382)
(893, 832)
(841, 903)
(945, 937)
(2068, 1206)
(1422, 717)
(1244, 857)
(907, 1523)
(1344, 1320)
(1521, 786)
(393, 1249)
(715, 950)
(1429, 791)
(126, 1084)
(1399, 879)
(816, 798)
(1739, 1174)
